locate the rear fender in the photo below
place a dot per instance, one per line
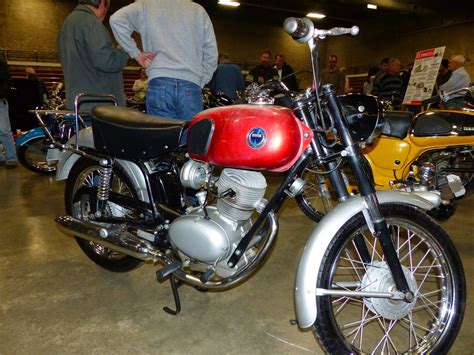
(321, 237)
(68, 159)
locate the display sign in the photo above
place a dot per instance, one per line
(423, 75)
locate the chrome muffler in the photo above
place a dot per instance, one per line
(115, 238)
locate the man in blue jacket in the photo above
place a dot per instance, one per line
(90, 62)
(179, 36)
(227, 78)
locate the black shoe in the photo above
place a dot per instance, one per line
(11, 164)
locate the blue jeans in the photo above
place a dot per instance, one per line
(456, 103)
(6, 133)
(174, 98)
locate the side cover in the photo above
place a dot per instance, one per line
(257, 137)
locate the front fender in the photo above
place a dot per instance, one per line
(30, 135)
(321, 237)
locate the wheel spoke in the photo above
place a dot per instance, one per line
(426, 275)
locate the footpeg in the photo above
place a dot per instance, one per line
(167, 270)
(207, 276)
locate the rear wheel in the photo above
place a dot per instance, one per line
(79, 204)
(429, 324)
(32, 155)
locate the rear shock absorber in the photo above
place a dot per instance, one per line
(105, 177)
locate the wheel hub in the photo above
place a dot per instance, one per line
(378, 278)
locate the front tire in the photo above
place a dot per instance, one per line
(377, 325)
(85, 173)
(32, 155)
(316, 198)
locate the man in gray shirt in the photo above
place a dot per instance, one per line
(180, 52)
(459, 79)
(90, 62)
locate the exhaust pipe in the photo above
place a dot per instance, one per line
(115, 238)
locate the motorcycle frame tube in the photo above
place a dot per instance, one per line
(310, 262)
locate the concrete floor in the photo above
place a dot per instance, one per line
(53, 300)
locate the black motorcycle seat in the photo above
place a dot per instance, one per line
(397, 123)
(130, 134)
(131, 118)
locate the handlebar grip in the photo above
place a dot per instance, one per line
(300, 30)
(337, 31)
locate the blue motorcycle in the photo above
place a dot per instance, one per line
(38, 149)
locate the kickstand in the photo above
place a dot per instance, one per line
(174, 288)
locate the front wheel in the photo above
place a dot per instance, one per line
(316, 199)
(32, 155)
(430, 262)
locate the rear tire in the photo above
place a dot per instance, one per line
(376, 325)
(32, 155)
(78, 203)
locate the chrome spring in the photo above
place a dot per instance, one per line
(105, 176)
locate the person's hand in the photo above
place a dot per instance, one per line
(261, 80)
(145, 58)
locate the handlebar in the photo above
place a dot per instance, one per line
(302, 30)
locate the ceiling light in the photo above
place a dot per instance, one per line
(228, 3)
(315, 15)
(372, 6)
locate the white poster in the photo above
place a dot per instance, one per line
(423, 75)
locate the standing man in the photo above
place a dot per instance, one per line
(9, 158)
(263, 71)
(181, 36)
(390, 86)
(90, 62)
(459, 79)
(283, 69)
(227, 77)
(332, 75)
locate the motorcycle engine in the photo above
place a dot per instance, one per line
(208, 234)
(431, 172)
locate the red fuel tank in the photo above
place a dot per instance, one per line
(257, 137)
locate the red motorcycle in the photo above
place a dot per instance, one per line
(377, 275)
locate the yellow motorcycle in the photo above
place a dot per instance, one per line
(432, 151)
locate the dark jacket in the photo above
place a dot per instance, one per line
(389, 87)
(290, 82)
(4, 79)
(90, 62)
(267, 72)
(227, 79)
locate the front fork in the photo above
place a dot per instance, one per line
(374, 216)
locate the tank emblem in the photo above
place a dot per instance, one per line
(256, 138)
